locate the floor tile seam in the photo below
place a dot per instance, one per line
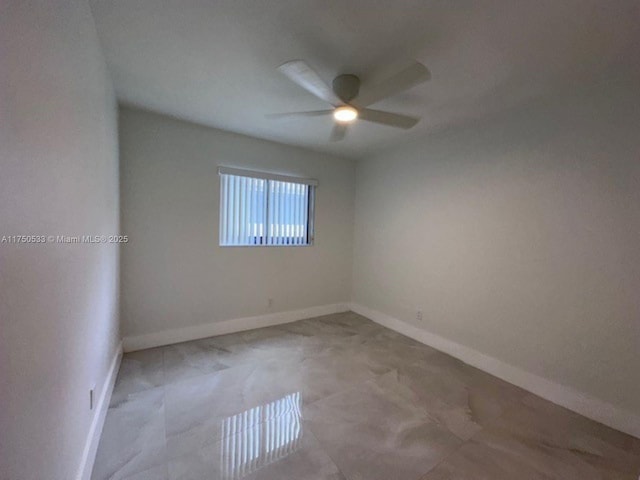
(493, 421)
(326, 452)
(131, 459)
(453, 451)
(349, 388)
(169, 383)
(178, 380)
(309, 426)
(445, 457)
(473, 436)
(420, 405)
(128, 477)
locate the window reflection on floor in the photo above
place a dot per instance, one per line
(260, 436)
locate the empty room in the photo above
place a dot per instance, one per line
(319, 240)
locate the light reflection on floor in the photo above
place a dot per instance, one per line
(377, 406)
(259, 436)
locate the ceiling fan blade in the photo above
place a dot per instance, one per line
(338, 132)
(387, 118)
(312, 113)
(401, 81)
(305, 76)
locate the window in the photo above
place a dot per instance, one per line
(265, 209)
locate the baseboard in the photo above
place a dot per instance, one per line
(95, 431)
(177, 335)
(568, 397)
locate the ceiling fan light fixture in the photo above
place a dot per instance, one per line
(345, 89)
(345, 114)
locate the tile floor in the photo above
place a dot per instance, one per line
(339, 397)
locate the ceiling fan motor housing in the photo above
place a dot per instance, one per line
(346, 87)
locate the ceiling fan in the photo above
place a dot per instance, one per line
(349, 104)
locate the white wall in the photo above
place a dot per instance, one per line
(58, 176)
(174, 274)
(517, 237)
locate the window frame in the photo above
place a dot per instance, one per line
(268, 177)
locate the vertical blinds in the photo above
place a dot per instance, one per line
(264, 211)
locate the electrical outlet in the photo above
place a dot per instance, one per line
(419, 315)
(270, 302)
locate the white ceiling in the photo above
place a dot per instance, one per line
(214, 61)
